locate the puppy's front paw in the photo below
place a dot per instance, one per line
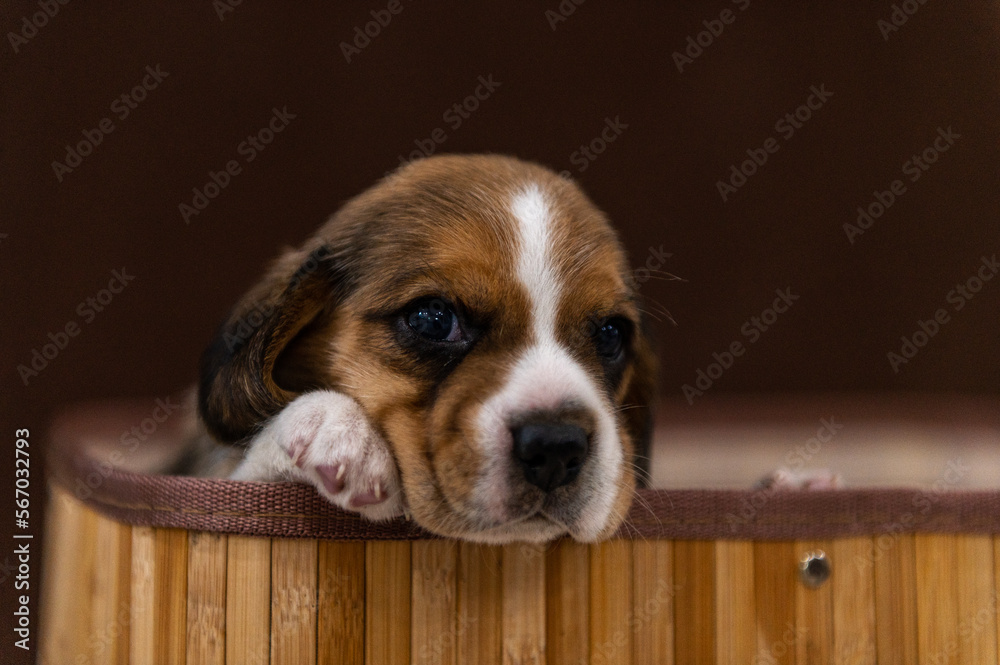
(324, 438)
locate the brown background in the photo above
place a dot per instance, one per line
(119, 209)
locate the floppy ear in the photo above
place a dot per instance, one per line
(237, 390)
(638, 402)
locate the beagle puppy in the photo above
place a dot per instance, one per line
(460, 343)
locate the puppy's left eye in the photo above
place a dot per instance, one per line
(433, 319)
(609, 338)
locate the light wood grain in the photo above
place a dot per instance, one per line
(735, 604)
(248, 600)
(937, 597)
(567, 602)
(206, 599)
(893, 558)
(112, 574)
(776, 586)
(293, 601)
(694, 611)
(854, 602)
(523, 604)
(159, 596)
(434, 602)
(653, 591)
(611, 602)
(814, 610)
(69, 578)
(977, 601)
(387, 613)
(341, 603)
(142, 646)
(479, 604)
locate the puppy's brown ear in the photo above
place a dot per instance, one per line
(237, 390)
(638, 403)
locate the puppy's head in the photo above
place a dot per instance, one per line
(479, 309)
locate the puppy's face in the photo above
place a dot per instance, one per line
(478, 308)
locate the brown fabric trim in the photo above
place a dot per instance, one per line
(295, 510)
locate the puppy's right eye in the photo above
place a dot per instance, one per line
(433, 319)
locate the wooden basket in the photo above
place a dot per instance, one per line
(913, 593)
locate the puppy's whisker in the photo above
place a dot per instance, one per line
(650, 314)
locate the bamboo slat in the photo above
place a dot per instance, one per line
(523, 605)
(248, 600)
(206, 599)
(611, 602)
(567, 602)
(479, 604)
(854, 608)
(341, 603)
(776, 585)
(69, 562)
(653, 596)
(937, 598)
(142, 648)
(293, 601)
(977, 601)
(434, 604)
(170, 579)
(894, 561)
(694, 611)
(387, 609)
(735, 607)
(159, 596)
(110, 609)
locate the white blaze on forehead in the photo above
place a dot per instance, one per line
(534, 266)
(545, 376)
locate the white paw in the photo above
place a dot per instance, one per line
(324, 438)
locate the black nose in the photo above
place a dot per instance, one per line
(550, 453)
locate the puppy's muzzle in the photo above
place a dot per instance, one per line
(550, 453)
